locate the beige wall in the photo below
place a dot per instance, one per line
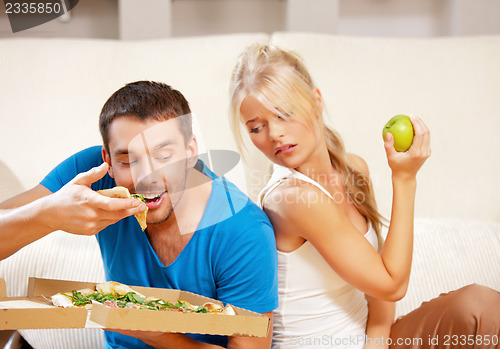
(419, 17)
(412, 18)
(195, 17)
(138, 19)
(475, 17)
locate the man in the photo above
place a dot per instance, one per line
(202, 234)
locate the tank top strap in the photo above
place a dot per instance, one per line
(280, 173)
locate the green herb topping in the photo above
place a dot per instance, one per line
(121, 301)
(139, 196)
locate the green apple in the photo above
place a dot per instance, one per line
(402, 130)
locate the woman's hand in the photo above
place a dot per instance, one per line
(405, 165)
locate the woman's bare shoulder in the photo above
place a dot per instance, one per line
(291, 193)
(358, 164)
(293, 203)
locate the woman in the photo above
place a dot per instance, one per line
(321, 204)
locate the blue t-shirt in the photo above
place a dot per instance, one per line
(231, 256)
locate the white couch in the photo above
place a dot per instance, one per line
(51, 92)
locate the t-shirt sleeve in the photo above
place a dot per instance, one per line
(71, 167)
(246, 270)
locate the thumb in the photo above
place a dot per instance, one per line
(389, 144)
(92, 175)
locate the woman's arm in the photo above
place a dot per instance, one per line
(380, 313)
(378, 326)
(314, 217)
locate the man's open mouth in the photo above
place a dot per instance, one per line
(153, 200)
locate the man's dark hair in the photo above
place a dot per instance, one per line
(146, 100)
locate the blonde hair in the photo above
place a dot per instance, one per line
(270, 74)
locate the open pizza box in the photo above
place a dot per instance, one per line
(37, 311)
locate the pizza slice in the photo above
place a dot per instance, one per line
(67, 299)
(122, 192)
(214, 308)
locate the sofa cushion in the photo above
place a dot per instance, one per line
(449, 254)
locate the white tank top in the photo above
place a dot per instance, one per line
(317, 308)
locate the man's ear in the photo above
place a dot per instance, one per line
(107, 158)
(192, 151)
(319, 99)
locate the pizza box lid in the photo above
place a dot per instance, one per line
(244, 323)
(36, 312)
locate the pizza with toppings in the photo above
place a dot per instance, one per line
(115, 295)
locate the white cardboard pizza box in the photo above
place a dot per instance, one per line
(244, 323)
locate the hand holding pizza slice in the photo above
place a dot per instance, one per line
(122, 192)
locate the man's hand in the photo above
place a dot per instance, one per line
(77, 209)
